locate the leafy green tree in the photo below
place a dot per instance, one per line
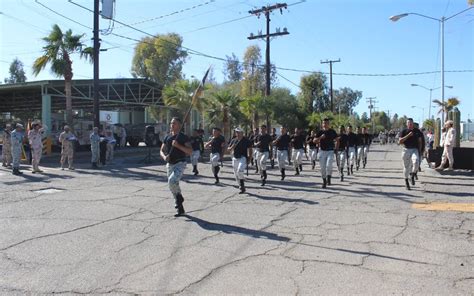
(285, 109)
(17, 74)
(253, 82)
(313, 94)
(57, 52)
(224, 109)
(233, 69)
(381, 119)
(365, 118)
(345, 99)
(159, 59)
(448, 105)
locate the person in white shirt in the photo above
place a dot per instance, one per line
(448, 141)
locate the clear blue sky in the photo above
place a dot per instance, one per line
(358, 32)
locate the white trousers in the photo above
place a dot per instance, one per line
(282, 158)
(411, 161)
(352, 152)
(296, 157)
(326, 158)
(341, 155)
(239, 165)
(447, 155)
(195, 157)
(215, 158)
(313, 154)
(262, 160)
(360, 153)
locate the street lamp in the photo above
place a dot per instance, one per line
(423, 117)
(431, 92)
(441, 21)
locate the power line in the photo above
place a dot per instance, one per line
(219, 24)
(62, 15)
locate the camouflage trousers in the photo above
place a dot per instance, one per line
(174, 173)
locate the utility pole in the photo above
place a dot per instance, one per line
(266, 10)
(96, 107)
(330, 62)
(372, 102)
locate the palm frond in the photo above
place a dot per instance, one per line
(39, 64)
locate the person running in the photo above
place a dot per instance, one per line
(297, 143)
(217, 143)
(273, 154)
(282, 144)
(262, 143)
(196, 144)
(411, 141)
(351, 149)
(313, 148)
(341, 148)
(326, 138)
(367, 141)
(174, 149)
(360, 147)
(239, 147)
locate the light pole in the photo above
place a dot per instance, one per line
(431, 92)
(423, 114)
(442, 20)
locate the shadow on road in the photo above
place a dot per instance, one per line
(231, 229)
(284, 199)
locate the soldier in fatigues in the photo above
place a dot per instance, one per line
(217, 143)
(239, 147)
(282, 144)
(351, 150)
(262, 143)
(297, 143)
(326, 138)
(412, 144)
(95, 147)
(174, 149)
(313, 148)
(7, 146)
(67, 140)
(17, 142)
(196, 144)
(35, 137)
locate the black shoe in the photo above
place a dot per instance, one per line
(313, 164)
(416, 176)
(301, 167)
(179, 201)
(194, 168)
(94, 165)
(352, 169)
(297, 172)
(357, 167)
(342, 175)
(196, 173)
(180, 211)
(15, 172)
(282, 174)
(407, 184)
(242, 187)
(256, 171)
(329, 180)
(412, 179)
(324, 182)
(272, 163)
(348, 172)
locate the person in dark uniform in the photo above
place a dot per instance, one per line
(175, 148)
(367, 142)
(360, 147)
(423, 147)
(412, 142)
(351, 149)
(297, 144)
(342, 151)
(253, 157)
(196, 144)
(326, 139)
(273, 151)
(217, 143)
(313, 148)
(282, 144)
(262, 143)
(239, 147)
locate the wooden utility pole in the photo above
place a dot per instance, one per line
(330, 80)
(96, 108)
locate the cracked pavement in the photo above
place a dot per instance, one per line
(112, 231)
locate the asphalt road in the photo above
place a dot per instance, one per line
(112, 231)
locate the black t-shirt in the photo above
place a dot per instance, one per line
(351, 140)
(265, 141)
(360, 139)
(241, 147)
(196, 143)
(310, 142)
(343, 141)
(367, 139)
(216, 144)
(283, 142)
(297, 141)
(328, 142)
(411, 142)
(176, 154)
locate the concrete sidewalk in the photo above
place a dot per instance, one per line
(112, 231)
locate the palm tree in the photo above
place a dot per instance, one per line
(57, 52)
(224, 106)
(448, 105)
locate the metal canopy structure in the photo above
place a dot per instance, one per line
(114, 94)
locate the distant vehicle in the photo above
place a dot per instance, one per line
(149, 133)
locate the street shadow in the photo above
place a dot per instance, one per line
(27, 177)
(284, 199)
(457, 194)
(125, 173)
(231, 229)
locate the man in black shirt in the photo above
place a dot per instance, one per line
(196, 144)
(273, 154)
(217, 143)
(412, 142)
(351, 149)
(360, 146)
(282, 144)
(297, 143)
(326, 138)
(262, 144)
(367, 142)
(341, 145)
(253, 157)
(313, 149)
(239, 147)
(174, 150)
